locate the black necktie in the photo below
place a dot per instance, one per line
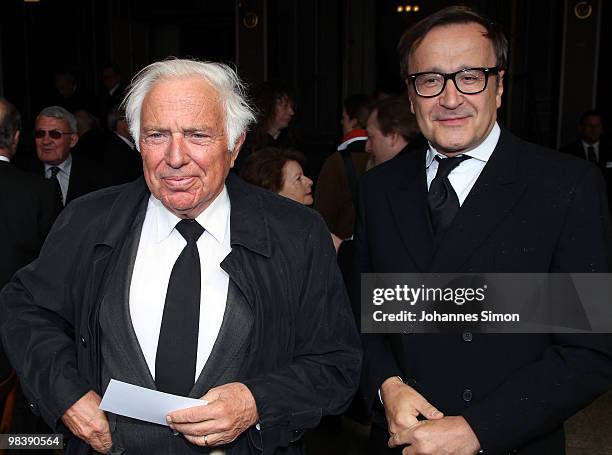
(591, 154)
(58, 188)
(442, 199)
(177, 348)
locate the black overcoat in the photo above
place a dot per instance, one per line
(304, 354)
(531, 210)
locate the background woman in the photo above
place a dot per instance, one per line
(281, 171)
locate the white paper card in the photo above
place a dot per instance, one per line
(143, 404)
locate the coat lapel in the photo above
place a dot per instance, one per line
(116, 295)
(497, 190)
(122, 226)
(229, 351)
(408, 204)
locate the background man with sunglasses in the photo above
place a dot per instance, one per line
(55, 133)
(477, 199)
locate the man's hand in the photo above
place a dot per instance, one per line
(88, 422)
(450, 435)
(403, 405)
(231, 409)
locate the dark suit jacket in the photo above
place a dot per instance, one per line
(29, 206)
(300, 347)
(86, 175)
(605, 160)
(123, 162)
(531, 210)
(108, 102)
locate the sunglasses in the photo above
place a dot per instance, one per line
(53, 134)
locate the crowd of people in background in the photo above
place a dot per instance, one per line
(374, 129)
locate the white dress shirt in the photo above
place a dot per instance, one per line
(5, 158)
(464, 176)
(63, 176)
(159, 247)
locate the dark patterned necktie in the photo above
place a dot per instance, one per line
(177, 348)
(442, 199)
(58, 188)
(591, 154)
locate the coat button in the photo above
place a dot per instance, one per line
(83, 342)
(467, 336)
(467, 395)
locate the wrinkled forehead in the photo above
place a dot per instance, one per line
(192, 86)
(189, 94)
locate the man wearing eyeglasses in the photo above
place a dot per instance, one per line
(55, 134)
(477, 199)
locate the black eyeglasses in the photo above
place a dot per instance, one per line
(469, 81)
(53, 134)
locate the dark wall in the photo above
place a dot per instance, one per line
(304, 51)
(604, 88)
(39, 38)
(310, 45)
(84, 35)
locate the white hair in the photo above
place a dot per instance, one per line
(231, 91)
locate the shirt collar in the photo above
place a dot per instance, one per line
(126, 140)
(214, 219)
(63, 166)
(5, 158)
(586, 145)
(482, 152)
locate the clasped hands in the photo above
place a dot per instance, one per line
(231, 409)
(438, 434)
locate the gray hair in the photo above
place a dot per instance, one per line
(60, 113)
(238, 114)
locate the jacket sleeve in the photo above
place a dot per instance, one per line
(576, 368)
(322, 376)
(37, 313)
(379, 362)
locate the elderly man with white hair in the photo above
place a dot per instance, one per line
(189, 282)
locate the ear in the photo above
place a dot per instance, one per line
(16, 138)
(236, 149)
(74, 138)
(500, 88)
(394, 139)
